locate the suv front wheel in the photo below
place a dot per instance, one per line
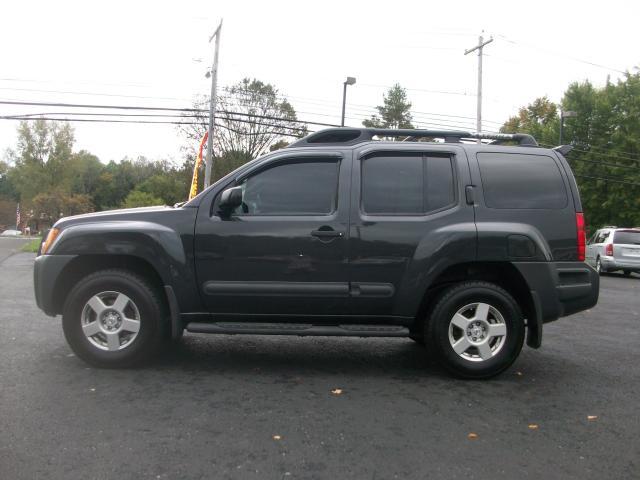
(114, 318)
(476, 330)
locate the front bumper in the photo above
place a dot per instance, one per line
(46, 272)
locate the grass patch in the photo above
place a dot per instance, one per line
(32, 246)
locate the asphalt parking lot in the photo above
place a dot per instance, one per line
(263, 408)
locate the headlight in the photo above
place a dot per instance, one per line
(51, 237)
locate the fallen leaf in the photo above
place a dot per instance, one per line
(472, 436)
(591, 418)
(336, 391)
(277, 437)
(533, 426)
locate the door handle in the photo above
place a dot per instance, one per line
(328, 233)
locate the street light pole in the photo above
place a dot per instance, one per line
(563, 115)
(479, 48)
(212, 106)
(348, 81)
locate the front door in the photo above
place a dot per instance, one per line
(284, 250)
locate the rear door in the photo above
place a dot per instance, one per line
(409, 221)
(626, 248)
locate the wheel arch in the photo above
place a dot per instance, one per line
(503, 274)
(84, 265)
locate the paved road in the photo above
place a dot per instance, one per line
(9, 246)
(211, 409)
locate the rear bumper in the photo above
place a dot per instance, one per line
(561, 288)
(611, 263)
(46, 271)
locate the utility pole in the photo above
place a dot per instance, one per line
(212, 106)
(479, 47)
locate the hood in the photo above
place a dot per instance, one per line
(114, 215)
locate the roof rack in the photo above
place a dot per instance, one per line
(353, 136)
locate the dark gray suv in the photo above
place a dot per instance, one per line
(465, 247)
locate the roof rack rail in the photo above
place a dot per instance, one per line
(353, 136)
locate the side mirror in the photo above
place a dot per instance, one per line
(230, 199)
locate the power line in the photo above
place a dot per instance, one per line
(93, 94)
(560, 54)
(158, 122)
(609, 155)
(607, 164)
(167, 109)
(607, 179)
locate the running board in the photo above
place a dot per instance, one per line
(302, 329)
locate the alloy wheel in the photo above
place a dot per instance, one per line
(477, 332)
(110, 321)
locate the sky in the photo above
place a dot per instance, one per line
(157, 53)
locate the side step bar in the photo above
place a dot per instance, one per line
(303, 330)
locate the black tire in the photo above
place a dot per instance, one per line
(599, 269)
(153, 323)
(454, 299)
(417, 337)
(626, 273)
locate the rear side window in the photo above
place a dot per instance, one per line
(630, 237)
(511, 180)
(410, 184)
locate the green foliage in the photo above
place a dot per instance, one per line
(138, 198)
(228, 162)
(539, 118)
(395, 111)
(606, 137)
(56, 204)
(32, 246)
(50, 180)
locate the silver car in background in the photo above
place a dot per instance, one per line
(612, 248)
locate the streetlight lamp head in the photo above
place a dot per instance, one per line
(350, 81)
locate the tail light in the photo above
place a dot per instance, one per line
(608, 249)
(582, 239)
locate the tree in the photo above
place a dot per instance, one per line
(43, 150)
(606, 137)
(50, 206)
(138, 198)
(252, 116)
(539, 119)
(395, 112)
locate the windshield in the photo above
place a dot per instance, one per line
(627, 236)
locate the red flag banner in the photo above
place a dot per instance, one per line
(194, 181)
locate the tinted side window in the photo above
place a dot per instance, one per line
(410, 184)
(292, 188)
(511, 180)
(627, 236)
(439, 180)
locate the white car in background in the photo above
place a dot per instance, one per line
(11, 233)
(612, 248)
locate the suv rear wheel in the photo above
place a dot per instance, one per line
(599, 267)
(114, 318)
(475, 329)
